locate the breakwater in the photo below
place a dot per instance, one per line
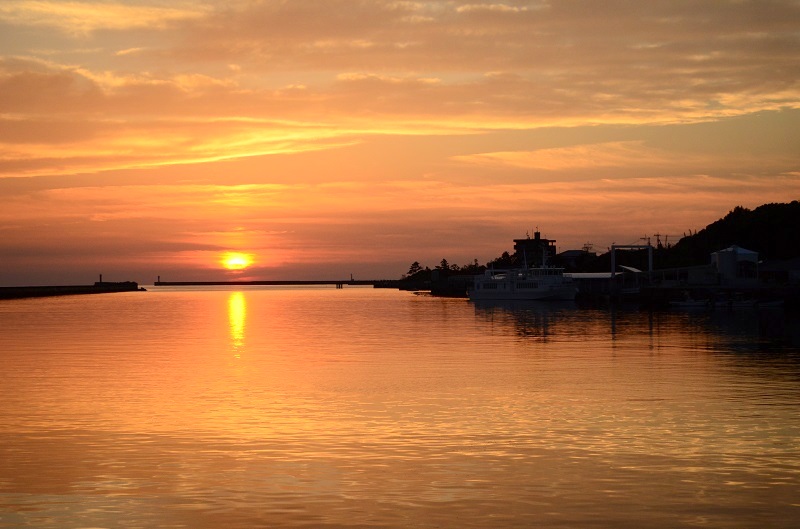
(377, 283)
(100, 287)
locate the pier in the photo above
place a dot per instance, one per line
(100, 287)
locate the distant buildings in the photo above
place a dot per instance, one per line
(780, 272)
(575, 259)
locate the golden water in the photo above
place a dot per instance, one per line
(375, 408)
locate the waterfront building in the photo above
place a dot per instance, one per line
(536, 251)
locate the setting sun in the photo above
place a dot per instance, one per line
(236, 260)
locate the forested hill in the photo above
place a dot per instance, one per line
(771, 230)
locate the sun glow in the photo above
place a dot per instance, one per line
(236, 260)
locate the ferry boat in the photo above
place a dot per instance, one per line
(543, 283)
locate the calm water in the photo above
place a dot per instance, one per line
(376, 408)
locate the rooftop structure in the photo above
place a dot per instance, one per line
(536, 251)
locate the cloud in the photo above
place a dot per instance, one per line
(627, 156)
(129, 51)
(146, 229)
(502, 8)
(352, 69)
(77, 17)
(613, 154)
(258, 210)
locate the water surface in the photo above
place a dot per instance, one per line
(360, 407)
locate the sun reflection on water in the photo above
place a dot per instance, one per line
(237, 315)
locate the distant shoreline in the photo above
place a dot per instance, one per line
(336, 282)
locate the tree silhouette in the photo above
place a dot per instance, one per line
(414, 268)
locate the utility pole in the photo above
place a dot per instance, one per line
(658, 240)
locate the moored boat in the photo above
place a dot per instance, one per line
(545, 283)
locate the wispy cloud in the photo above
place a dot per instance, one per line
(353, 66)
(613, 154)
(80, 18)
(628, 155)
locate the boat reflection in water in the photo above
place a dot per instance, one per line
(757, 329)
(531, 319)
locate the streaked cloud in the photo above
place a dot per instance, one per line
(76, 17)
(614, 154)
(628, 155)
(129, 51)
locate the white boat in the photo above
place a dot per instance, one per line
(524, 284)
(692, 304)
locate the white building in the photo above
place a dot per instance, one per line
(736, 265)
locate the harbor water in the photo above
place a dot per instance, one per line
(353, 408)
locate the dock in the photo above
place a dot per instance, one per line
(100, 287)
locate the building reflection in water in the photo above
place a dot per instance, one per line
(739, 330)
(237, 315)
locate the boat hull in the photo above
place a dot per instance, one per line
(564, 292)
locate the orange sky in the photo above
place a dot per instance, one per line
(328, 137)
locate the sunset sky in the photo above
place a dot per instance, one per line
(327, 137)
